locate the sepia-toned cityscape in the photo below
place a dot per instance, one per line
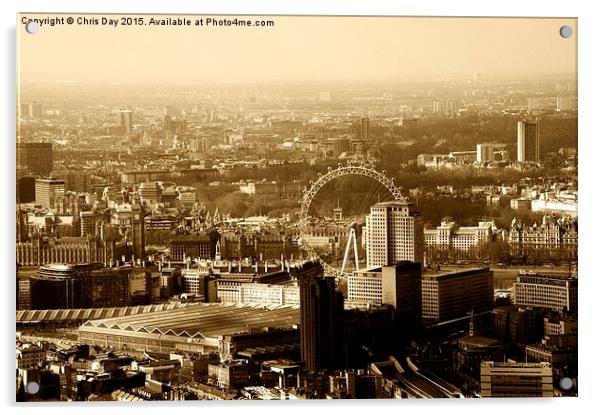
(295, 207)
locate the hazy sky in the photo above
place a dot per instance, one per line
(298, 48)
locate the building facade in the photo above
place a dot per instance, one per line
(451, 294)
(85, 285)
(556, 234)
(485, 153)
(321, 322)
(394, 232)
(516, 380)
(231, 375)
(269, 294)
(553, 292)
(128, 219)
(42, 250)
(37, 157)
(461, 238)
(150, 192)
(50, 193)
(527, 141)
(201, 246)
(398, 286)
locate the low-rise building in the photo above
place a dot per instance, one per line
(557, 293)
(513, 380)
(269, 294)
(30, 356)
(555, 234)
(521, 203)
(463, 238)
(356, 385)
(230, 375)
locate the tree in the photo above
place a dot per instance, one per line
(497, 251)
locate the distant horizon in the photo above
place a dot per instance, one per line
(31, 78)
(298, 49)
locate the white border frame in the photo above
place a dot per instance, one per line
(589, 146)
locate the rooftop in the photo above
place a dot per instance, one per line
(510, 364)
(82, 314)
(551, 274)
(392, 203)
(479, 341)
(199, 321)
(453, 272)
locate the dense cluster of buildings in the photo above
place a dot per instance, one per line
(287, 331)
(130, 288)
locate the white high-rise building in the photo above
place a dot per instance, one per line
(125, 120)
(484, 153)
(394, 232)
(527, 146)
(50, 193)
(445, 107)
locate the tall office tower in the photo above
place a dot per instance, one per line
(199, 145)
(125, 120)
(22, 234)
(516, 380)
(527, 146)
(321, 322)
(484, 153)
(87, 222)
(445, 107)
(402, 288)
(36, 156)
(394, 232)
(50, 193)
(26, 189)
(365, 124)
(31, 110)
(138, 241)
